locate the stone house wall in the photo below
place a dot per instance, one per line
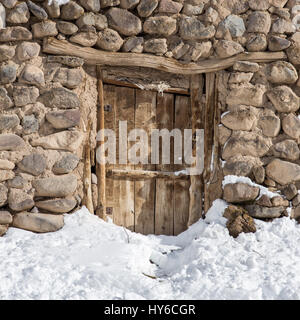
(48, 103)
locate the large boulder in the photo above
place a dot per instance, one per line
(234, 24)
(15, 34)
(241, 223)
(260, 212)
(28, 50)
(38, 222)
(44, 29)
(246, 144)
(109, 40)
(194, 29)
(146, 7)
(57, 186)
(246, 94)
(228, 48)
(32, 75)
(240, 192)
(71, 11)
(18, 14)
(283, 172)
(64, 140)
(259, 21)
(57, 205)
(284, 99)
(60, 98)
(269, 123)
(161, 26)
(125, 22)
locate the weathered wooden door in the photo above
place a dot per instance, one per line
(138, 197)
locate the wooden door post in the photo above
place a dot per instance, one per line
(100, 167)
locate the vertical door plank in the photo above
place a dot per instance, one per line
(112, 189)
(181, 187)
(198, 122)
(145, 111)
(125, 105)
(164, 204)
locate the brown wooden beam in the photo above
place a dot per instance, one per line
(94, 56)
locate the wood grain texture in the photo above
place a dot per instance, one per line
(181, 187)
(164, 205)
(95, 56)
(145, 112)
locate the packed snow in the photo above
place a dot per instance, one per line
(59, 2)
(93, 259)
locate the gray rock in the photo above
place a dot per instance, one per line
(124, 22)
(6, 52)
(240, 192)
(8, 73)
(169, 7)
(34, 164)
(25, 95)
(17, 182)
(283, 26)
(291, 126)
(3, 194)
(64, 119)
(11, 142)
(8, 121)
(287, 149)
(227, 48)
(256, 42)
(57, 205)
(246, 66)
(146, 7)
(88, 19)
(19, 14)
(53, 9)
(18, 200)
(284, 99)
(5, 217)
(71, 11)
(156, 46)
(100, 22)
(269, 124)
(275, 170)
(66, 164)
(290, 191)
(237, 167)
(161, 26)
(109, 40)
(38, 222)
(32, 75)
(70, 78)
(5, 100)
(259, 21)
(58, 186)
(86, 39)
(9, 3)
(259, 174)
(91, 5)
(15, 34)
(277, 43)
(193, 29)
(30, 124)
(67, 28)
(28, 50)
(131, 44)
(234, 24)
(44, 29)
(191, 10)
(260, 212)
(37, 11)
(61, 98)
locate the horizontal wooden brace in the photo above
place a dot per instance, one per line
(145, 174)
(94, 56)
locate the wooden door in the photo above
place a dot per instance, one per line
(147, 198)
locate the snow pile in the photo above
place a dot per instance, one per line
(92, 259)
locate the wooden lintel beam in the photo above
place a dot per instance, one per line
(94, 56)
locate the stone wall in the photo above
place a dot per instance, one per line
(46, 102)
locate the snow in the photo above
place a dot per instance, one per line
(93, 259)
(263, 190)
(59, 2)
